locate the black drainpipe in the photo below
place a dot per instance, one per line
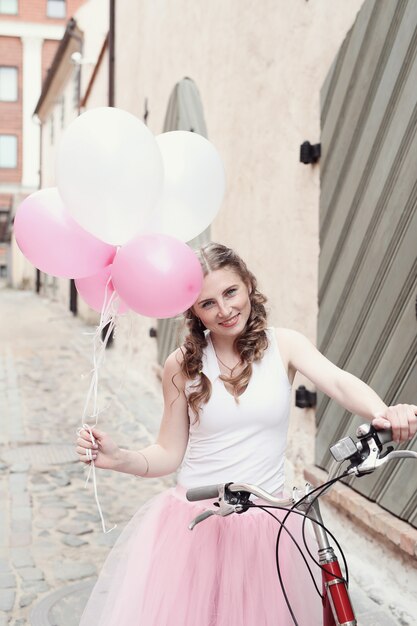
(38, 283)
(112, 50)
(112, 47)
(73, 293)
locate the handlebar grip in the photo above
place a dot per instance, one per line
(384, 435)
(210, 492)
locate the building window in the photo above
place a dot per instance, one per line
(8, 151)
(8, 6)
(56, 8)
(8, 84)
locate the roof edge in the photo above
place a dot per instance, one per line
(70, 33)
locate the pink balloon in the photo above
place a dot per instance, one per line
(157, 275)
(97, 289)
(53, 242)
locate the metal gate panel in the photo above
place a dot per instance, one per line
(371, 268)
(353, 180)
(368, 331)
(397, 492)
(384, 359)
(345, 107)
(396, 356)
(368, 229)
(365, 78)
(371, 280)
(184, 112)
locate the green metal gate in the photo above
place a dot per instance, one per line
(368, 229)
(185, 112)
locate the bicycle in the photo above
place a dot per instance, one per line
(364, 456)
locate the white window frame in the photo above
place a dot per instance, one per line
(62, 116)
(52, 5)
(76, 87)
(8, 163)
(52, 129)
(15, 87)
(9, 7)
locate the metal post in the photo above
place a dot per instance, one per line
(112, 50)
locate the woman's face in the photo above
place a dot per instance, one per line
(223, 304)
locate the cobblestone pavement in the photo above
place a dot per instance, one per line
(52, 545)
(50, 527)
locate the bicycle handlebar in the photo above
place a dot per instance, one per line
(210, 492)
(384, 436)
(364, 456)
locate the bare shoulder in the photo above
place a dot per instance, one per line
(282, 334)
(288, 338)
(290, 344)
(175, 359)
(172, 368)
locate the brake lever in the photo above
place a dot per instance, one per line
(200, 518)
(223, 509)
(373, 462)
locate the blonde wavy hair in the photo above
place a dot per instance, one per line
(250, 345)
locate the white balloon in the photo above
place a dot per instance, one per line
(109, 173)
(194, 185)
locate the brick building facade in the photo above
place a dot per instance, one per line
(30, 31)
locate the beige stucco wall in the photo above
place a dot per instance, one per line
(259, 68)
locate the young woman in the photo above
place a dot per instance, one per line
(227, 397)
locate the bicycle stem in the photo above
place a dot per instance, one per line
(311, 507)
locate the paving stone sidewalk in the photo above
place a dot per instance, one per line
(52, 546)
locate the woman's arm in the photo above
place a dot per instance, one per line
(348, 390)
(166, 454)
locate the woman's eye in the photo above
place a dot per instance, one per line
(207, 304)
(231, 292)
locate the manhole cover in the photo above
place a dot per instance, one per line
(62, 607)
(40, 454)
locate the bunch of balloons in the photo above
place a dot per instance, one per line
(124, 206)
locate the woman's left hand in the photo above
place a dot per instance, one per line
(401, 418)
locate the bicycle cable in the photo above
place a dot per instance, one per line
(293, 510)
(319, 490)
(265, 509)
(345, 566)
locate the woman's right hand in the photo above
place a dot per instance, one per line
(105, 452)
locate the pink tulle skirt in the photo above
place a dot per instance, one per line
(222, 573)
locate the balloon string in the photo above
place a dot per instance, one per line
(108, 318)
(92, 467)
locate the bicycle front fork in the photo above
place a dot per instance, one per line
(337, 608)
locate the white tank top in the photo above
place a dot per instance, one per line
(245, 441)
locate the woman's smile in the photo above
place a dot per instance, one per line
(232, 321)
